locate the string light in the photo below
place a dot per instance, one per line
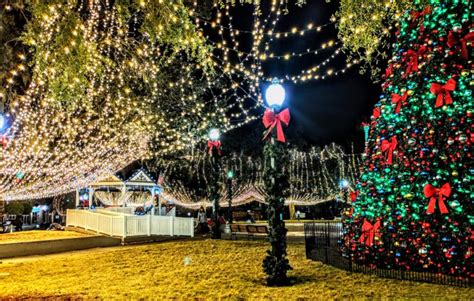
(314, 175)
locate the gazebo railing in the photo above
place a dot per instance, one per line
(124, 225)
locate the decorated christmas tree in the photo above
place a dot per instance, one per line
(413, 208)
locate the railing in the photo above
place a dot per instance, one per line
(25, 218)
(324, 243)
(115, 224)
(126, 210)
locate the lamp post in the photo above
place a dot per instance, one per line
(344, 186)
(230, 176)
(276, 263)
(214, 145)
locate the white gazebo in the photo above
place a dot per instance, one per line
(108, 189)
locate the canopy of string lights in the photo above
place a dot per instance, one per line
(314, 177)
(95, 85)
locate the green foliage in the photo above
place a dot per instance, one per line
(27, 206)
(365, 28)
(276, 263)
(15, 208)
(11, 52)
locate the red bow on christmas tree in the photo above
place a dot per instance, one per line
(432, 192)
(388, 147)
(376, 113)
(354, 195)
(463, 41)
(369, 231)
(443, 97)
(271, 120)
(416, 14)
(412, 58)
(212, 144)
(388, 71)
(399, 100)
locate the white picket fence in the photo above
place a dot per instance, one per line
(123, 225)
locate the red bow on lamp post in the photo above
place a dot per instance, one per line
(272, 120)
(412, 58)
(443, 97)
(432, 192)
(399, 100)
(452, 41)
(388, 147)
(369, 231)
(4, 141)
(214, 144)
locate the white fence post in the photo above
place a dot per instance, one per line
(98, 223)
(149, 225)
(192, 227)
(124, 226)
(86, 219)
(171, 226)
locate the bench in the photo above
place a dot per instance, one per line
(250, 230)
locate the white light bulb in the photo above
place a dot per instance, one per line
(275, 94)
(214, 134)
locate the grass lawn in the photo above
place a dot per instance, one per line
(35, 235)
(197, 269)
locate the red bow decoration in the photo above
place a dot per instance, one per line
(416, 14)
(4, 141)
(463, 41)
(354, 195)
(270, 120)
(212, 144)
(432, 192)
(412, 58)
(389, 147)
(388, 71)
(376, 112)
(442, 92)
(399, 100)
(368, 232)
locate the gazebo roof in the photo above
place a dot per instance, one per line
(141, 178)
(107, 179)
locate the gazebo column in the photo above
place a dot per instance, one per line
(153, 200)
(159, 205)
(91, 196)
(124, 190)
(77, 197)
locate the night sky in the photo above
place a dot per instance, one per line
(323, 111)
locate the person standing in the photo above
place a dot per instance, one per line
(203, 228)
